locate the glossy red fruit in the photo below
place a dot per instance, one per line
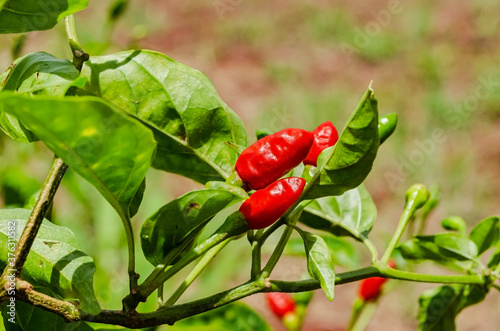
(325, 135)
(370, 288)
(280, 303)
(266, 206)
(273, 156)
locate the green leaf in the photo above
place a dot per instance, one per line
(319, 262)
(350, 214)
(485, 234)
(55, 260)
(192, 125)
(26, 317)
(346, 165)
(235, 316)
(494, 259)
(439, 247)
(32, 15)
(455, 223)
(40, 73)
(341, 251)
(11, 126)
(414, 250)
(175, 221)
(36, 73)
(237, 190)
(110, 150)
(439, 307)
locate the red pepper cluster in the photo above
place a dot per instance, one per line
(325, 135)
(262, 164)
(370, 288)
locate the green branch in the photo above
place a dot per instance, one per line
(129, 233)
(79, 55)
(170, 315)
(256, 259)
(35, 220)
(205, 260)
(439, 279)
(416, 197)
(235, 225)
(290, 218)
(25, 292)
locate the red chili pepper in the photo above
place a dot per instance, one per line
(325, 135)
(273, 156)
(280, 303)
(370, 288)
(266, 206)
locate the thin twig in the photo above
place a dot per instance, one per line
(37, 214)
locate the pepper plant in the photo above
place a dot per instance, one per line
(111, 118)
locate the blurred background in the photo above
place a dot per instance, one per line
(281, 64)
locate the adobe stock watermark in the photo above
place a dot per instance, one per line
(439, 304)
(44, 16)
(11, 273)
(223, 6)
(456, 116)
(281, 118)
(116, 286)
(362, 38)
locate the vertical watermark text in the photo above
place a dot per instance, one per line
(11, 272)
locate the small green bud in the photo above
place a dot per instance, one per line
(454, 223)
(417, 195)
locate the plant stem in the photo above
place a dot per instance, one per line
(145, 291)
(25, 292)
(205, 260)
(37, 214)
(269, 231)
(373, 250)
(357, 309)
(170, 315)
(365, 317)
(170, 257)
(403, 222)
(256, 259)
(160, 296)
(416, 197)
(132, 275)
(292, 218)
(79, 55)
(421, 226)
(440, 279)
(235, 225)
